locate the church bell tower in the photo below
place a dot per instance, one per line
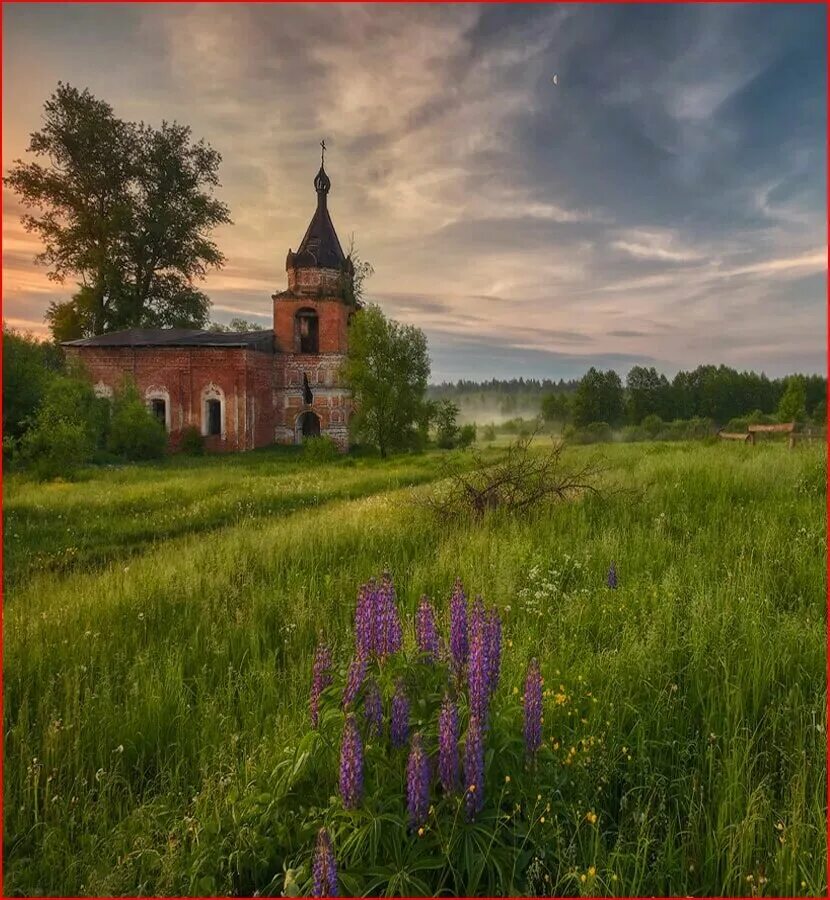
(311, 330)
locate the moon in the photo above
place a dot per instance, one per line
(556, 79)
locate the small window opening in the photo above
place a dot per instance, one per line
(159, 409)
(308, 331)
(214, 416)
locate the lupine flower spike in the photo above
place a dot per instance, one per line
(533, 709)
(426, 634)
(458, 628)
(417, 783)
(354, 680)
(373, 708)
(611, 580)
(351, 764)
(390, 636)
(324, 867)
(321, 678)
(448, 745)
(474, 769)
(399, 727)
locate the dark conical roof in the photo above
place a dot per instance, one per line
(320, 248)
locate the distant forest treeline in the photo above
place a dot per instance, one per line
(719, 393)
(497, 399)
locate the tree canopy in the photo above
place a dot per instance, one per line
(28, 367)
(125, 209)
(599, 398)
(387, 369)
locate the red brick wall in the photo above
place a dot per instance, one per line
(331, 402)
(332, 316)
(243, 379)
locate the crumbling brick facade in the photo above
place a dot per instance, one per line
(248, 390)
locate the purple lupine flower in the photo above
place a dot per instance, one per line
(426, 633)
(354, 679)
(533, 708)
(474, 769)
(320, 679)
(479, 665)
(324, 867)
(399, 727)
(366, 619)
(417, 783)
(390, 636)
(611, 579)
(493, 638)
(351, 764)
(448, 745)
(373, 708)
(458, 628)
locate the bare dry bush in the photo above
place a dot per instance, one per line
(521, 480)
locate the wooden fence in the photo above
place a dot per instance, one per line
(787, 428)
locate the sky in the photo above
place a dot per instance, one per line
(662, 204)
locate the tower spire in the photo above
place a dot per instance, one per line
(322, 183)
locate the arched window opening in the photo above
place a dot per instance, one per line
(157, 399)
(307, 331)
(159, 409)
(213, 411)
(213, 415)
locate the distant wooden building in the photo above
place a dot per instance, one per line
(248, 390)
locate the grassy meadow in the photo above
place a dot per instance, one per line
(160, 622)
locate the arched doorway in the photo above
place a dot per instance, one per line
(308, 425)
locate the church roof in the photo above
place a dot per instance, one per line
(320, 247)
(178, 337)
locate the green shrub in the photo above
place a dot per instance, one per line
(488, 433)
(70, 425)
(652, 425)
(445, 417)
(193, 443)
(320, 449)
(55, 448)
(466, 436)
(28, 367)
(595, 433)
(135, 433)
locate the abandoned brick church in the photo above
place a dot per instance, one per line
(256, 388)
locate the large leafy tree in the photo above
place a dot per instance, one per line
(387, 369)
(647, 394)
(599, 398)
(125, 209)
(792, 407)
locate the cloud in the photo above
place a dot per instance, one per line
(664, 202)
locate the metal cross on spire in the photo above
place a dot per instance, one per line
(323, 152)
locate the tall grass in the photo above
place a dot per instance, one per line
(156, 686)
